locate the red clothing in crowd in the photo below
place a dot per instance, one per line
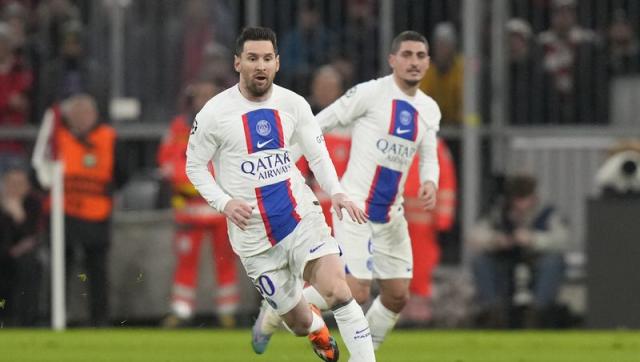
(15, 82)
(195, 219)
(425, 225)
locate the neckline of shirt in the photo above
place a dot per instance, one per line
(253, 103)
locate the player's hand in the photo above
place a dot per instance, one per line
(341, 201)
(427, 195)
(239, 212)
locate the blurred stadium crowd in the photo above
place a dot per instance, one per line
(562, 63)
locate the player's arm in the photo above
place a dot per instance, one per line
(346, 109)
(311, 142)
(201, 149)
(429, 170)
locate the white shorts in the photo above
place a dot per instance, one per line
(277, 272)
(374, 250)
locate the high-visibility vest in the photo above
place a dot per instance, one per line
(189, 207)
(88, 171)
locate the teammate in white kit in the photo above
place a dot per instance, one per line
(276, 224)
(392, 120)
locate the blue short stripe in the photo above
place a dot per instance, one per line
(278, 209)
(382, 194)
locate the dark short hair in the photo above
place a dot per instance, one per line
(520, 186)
(408, 35)
(255, 33)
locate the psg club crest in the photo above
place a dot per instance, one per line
(263, 128)
(405, 118)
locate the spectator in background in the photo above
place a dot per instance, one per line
(305, 47)
(444, 79)
(624, 50)
(198, 31)
(518, 231)
(424, 226)
(20, 270)
(25, 47)
(15, 84)
(51, 18)
(72, 72)
(359, 40)
(216, 65)
(573, 69)
(327, 85)
(195, 220)
(524, 75)
(16, 16)
(92, 171)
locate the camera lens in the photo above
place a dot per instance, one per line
(629, 168)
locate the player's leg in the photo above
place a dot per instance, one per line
(426, 255)
(386, 307)
(392, 267)
(281, 288)
(357, 254)
(325, 271)
(326, 275)
(187, 250)
(227, 296)
(354, 241)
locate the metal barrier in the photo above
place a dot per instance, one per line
(565, 168)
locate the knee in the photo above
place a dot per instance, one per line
(360, 293)
(338, 293)
(395, 299)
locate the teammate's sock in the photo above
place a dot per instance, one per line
(313, 296)
(381, 320)
(355, 331)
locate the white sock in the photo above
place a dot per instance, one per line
(354, 330)
(313, 296)
(381, 320)
(317, 323)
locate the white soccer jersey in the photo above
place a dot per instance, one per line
(249, 145)
(389, 128)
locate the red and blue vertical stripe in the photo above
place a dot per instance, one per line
(278, 210)
(382, 194)
(404, 120)
(262, 130)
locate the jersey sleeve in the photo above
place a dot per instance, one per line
(346, 109)
(308, 137)
(201, 149)
(428, 148)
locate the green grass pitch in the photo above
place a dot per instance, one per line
(84, 345)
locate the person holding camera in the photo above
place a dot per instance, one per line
(518, 232)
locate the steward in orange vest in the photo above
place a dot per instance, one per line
(88, 150)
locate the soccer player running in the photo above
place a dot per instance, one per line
(276, 224)
(392, 120)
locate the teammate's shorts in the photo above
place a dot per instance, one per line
(375, 250)
(277, 272)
